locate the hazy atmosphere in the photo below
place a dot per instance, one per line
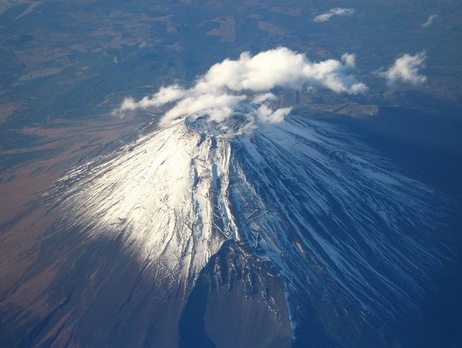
(230, 173)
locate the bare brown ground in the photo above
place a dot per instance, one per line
(291, 11)
(227, 29)
(6, 110)
(24, 220)
(31, 8)
(271, 28)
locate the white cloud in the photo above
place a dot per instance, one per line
(164, 96)
(261, 98)
(406, 70)
(334, 12)
(248, 80)
(430, 20)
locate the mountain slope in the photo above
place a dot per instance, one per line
(350, 237)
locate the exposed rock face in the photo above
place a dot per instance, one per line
(242, 304)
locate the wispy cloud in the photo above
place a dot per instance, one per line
(334, 12)
(249, 80)
(430, 20)
(405, 69)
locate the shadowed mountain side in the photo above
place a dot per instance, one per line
(83, 292)
(97, 285)
(238, 301)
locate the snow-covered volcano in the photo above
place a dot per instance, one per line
(230, 187)
(328, 213)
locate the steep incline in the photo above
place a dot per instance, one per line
(349, 236)
(166, 196)
(333, 215)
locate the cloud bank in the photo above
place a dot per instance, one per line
(334, 12)
(406, 70)
(229, 85)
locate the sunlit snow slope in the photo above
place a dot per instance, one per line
(311, 200)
